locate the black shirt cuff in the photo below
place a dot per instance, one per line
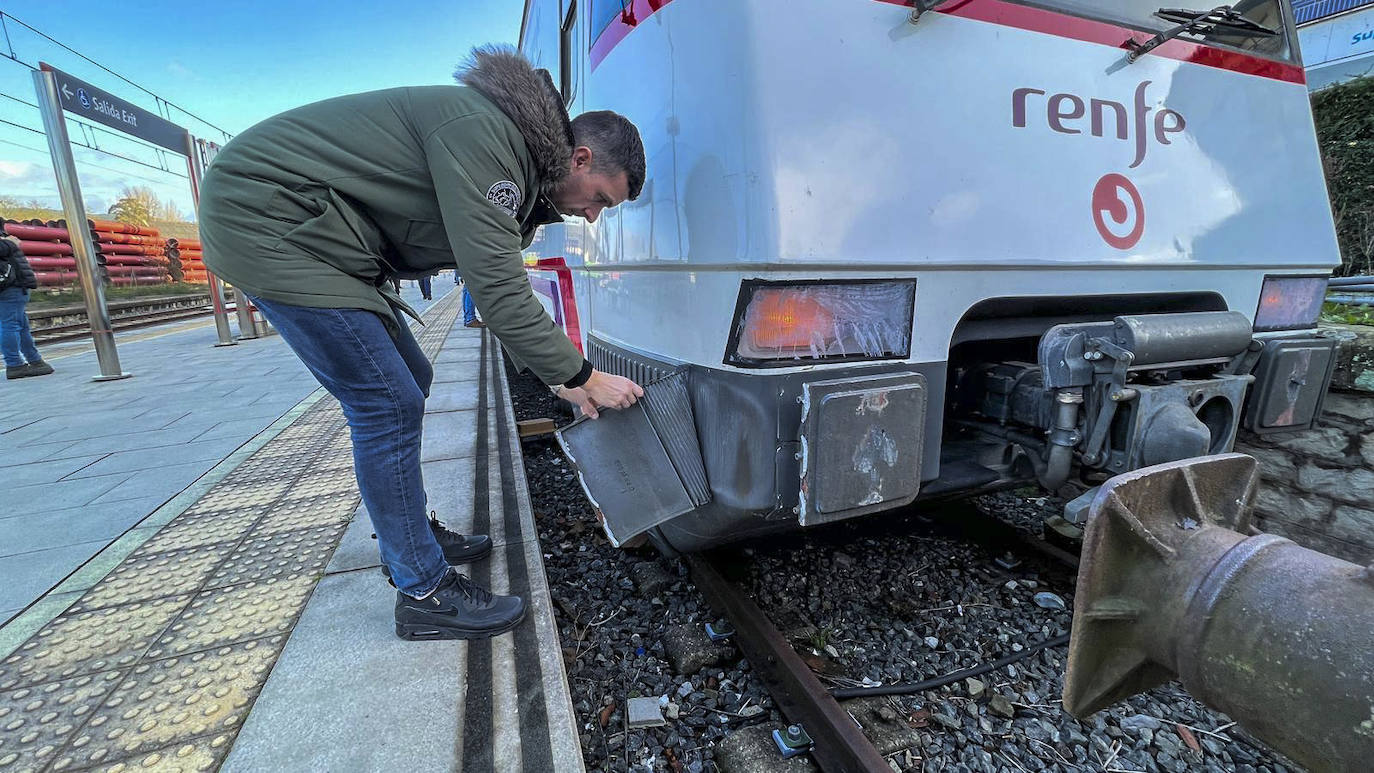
(581, 377)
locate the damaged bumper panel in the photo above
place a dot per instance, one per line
(861, 450)
(641, 466)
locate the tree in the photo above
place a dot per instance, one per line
(132, 210)
(139, 204)
(33, 209)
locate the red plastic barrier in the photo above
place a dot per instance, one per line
(114, 238)
(128, 260)
(31, 249)
(130, 249)
(137, 271)
(55, 278)
(122, 228)
(43, 264)
(36, 232)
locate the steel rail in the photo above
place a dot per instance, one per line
(59, 333)
(839, 745)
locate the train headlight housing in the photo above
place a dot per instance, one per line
(1290, 302)
(787, 323)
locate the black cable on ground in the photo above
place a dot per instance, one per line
(841, 693)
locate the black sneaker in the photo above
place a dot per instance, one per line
(458, 548)
(457, 609)
(16, 371)
(39, 368)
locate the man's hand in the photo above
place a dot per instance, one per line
(605, 391)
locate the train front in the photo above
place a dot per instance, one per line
(906, 255)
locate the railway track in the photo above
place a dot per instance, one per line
(819, 724)
(125, 315)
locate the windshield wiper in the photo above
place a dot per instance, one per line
(1222, 20)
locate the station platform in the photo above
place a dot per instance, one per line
(244, 624)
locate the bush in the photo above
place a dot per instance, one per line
(1344, 115)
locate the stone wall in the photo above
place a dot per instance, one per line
(1318, 485)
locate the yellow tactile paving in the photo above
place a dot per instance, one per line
(114, 637)
(246, 495)
(168, 702)
(206, 529)
(145, 576)
(297, 514)
(35, 722)
(186, 758)
(156, 666)
(235, 613)
(299, 552)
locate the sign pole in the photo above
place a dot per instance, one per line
(87, 269)
(226, 336)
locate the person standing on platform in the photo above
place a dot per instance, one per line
(313, 211)
(469, 308)
(426, 288)
(16, 340)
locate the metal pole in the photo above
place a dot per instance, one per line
(226, 336)
(87, 269)
(244, 308)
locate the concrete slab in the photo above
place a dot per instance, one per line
(134, 440)
(232, 429)
(346, 694)
(450, 435)
(24, 454)
(458, 352)
(357, 550)
(28, 575)
(157, 458)
(51, 470)
(446, 372)
(163, 482)
(41, 497)
(453, 396)
(71, 526)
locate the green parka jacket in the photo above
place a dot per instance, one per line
(321, 205)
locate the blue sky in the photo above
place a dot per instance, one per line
(230, 63)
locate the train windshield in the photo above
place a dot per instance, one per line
(1141, 15)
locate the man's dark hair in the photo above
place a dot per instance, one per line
(614, 143)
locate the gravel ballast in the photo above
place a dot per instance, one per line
(882, 600)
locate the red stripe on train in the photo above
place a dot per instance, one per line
(1027, 18)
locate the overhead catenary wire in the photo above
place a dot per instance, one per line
(14, 57)
(88, 146)
(124, 172)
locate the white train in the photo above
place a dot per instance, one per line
(905, 253)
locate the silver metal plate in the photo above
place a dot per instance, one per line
(862, 442)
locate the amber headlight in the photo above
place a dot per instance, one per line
(785, 323)
(1290, 302)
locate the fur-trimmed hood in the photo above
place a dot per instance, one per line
(528, 97)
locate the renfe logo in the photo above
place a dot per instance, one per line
(1118, 210)
(1127, 212)
(1064, 113)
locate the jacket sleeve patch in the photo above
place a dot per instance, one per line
(506, 196)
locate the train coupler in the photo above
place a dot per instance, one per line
(1173, 583)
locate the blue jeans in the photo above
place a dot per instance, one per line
(382, 383)
(469, 308)
(425, 288)
(16, 341)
